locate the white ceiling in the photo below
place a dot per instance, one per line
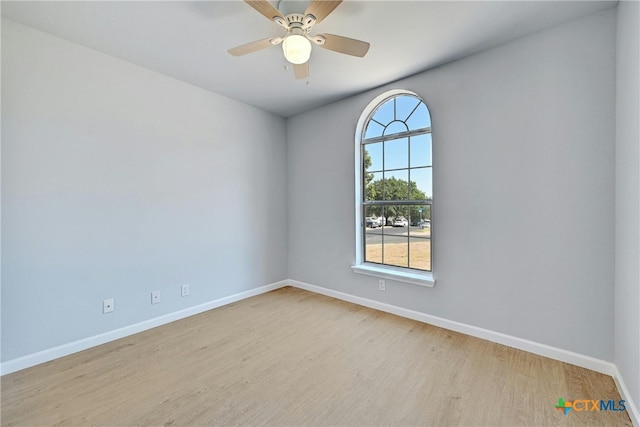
(188, 40)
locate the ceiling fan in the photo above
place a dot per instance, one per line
(296, 43)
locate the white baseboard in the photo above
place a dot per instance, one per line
(83, 344)
(486, 334)
(632, 409)
(577, 359)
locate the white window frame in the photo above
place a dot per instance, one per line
(406, 275)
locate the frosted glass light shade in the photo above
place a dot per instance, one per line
(297, 49)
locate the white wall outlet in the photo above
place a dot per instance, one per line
(381, 285)
(107, 306)
(184, 290)
(155, 297)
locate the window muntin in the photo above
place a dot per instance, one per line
(396, 173)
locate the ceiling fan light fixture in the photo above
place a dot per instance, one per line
(296, 48)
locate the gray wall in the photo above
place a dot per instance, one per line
(524, 138)
(627, 267)
(117, 181)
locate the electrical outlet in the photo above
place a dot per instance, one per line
(184, 290)
(107, 305)
(155, 297)
(381, 285)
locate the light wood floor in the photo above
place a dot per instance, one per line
(295, 358)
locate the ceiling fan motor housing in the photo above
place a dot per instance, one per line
(295, 19)
(298, 20)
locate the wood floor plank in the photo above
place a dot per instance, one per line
(291, 357)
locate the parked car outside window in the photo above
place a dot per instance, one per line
(400, 222)
(372, 222)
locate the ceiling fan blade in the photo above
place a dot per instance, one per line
(345, 45)
(321, 8)
(265, 8)
(301, 71)
(251, 47)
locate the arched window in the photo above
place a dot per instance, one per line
(394, 188)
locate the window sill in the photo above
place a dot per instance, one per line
(422, 279)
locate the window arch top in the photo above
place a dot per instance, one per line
(397, 115)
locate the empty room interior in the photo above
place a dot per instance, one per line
(320, 213)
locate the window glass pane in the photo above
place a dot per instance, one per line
(396, 250)
(396, 154)
(373, 129)
(404, 106)
(396, 185)
(420, 220)
(420, 118)
(373, 247)
(398, 217)
(373, 186)
(385, 114)
(420, 253)
(373, 217)
(374, 221)
(373, 157)
(421, 187)
(395, 127)
(420, 150)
